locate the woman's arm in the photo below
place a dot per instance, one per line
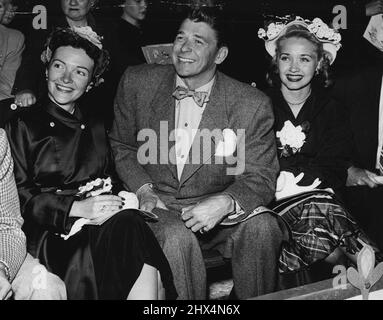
(48, 209)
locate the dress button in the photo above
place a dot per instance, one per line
(186, 124)
(82, 126)
(52, 124)
(13, 106)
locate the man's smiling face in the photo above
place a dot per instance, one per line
(195, 53)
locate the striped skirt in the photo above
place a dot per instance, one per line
(319, 224)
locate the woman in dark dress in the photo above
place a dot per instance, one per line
(314, 144)
(56, 149)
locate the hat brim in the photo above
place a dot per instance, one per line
(329, 47)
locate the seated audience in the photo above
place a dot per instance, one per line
(314, 143)
(360, 90)
(11, 49)
(210, 199)
(21, 276)
(57, 150)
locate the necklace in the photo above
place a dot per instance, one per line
(298, 103)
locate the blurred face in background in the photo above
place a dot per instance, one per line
(76, 10)
(134, 11)
(9, 13)
(3, 8)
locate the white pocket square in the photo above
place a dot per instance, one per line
(226, 147)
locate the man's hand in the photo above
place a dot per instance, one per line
(374, 7)
(5, 286)
(149, 200)
(360, 177)
(206, 214)
(25, 98)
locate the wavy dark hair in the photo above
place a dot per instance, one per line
(321, 78)
(214, 17)
(62, 37)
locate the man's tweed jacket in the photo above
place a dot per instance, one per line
(144, 106)
(12, 239)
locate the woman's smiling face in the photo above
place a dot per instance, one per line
(69, 75)
(297, 61)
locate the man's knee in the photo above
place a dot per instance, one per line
(34, 282)
(264, 226)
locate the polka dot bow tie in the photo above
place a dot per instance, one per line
(199, 97)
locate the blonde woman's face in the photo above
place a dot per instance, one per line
(297, 62)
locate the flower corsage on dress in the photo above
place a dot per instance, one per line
(290, 139)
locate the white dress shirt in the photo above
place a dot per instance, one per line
(188, 116)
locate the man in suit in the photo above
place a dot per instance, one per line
(361, 93)
(20, 274)
(203, 198)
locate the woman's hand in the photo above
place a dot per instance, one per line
(287, 185)
(95, 207)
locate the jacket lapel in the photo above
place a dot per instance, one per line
(214, 119)
(162, 121)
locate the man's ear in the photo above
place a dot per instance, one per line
(221, 55)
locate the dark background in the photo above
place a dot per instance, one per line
(247, 59)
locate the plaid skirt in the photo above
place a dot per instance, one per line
(319, 224)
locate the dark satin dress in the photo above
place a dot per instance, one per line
(54, 153)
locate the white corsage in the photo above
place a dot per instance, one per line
(291, 139)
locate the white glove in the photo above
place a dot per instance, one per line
(287, 185)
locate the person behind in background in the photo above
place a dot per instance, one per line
(11, 49)
(127, 36)
(57, 149)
